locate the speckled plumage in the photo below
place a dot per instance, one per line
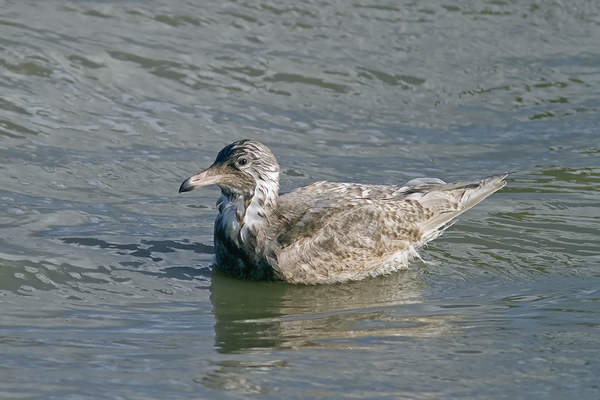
(325, 232)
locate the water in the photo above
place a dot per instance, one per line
(106, 289)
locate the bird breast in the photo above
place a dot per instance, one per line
(235, 223)
(227, 224)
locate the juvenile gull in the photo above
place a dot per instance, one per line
(325, 232)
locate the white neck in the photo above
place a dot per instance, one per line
(264, 200)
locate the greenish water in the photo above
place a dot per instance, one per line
(106, 286)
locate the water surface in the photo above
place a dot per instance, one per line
(106, 285)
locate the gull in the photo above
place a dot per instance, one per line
(325, 232)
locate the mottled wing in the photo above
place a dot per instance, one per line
(331, 232)
(322, 197)
(350, 241)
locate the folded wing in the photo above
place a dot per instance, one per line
(337, 232)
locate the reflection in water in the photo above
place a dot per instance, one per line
(252, 316)
(230, 375)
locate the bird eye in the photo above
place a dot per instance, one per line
(242, 161)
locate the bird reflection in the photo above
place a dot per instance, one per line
(253, 316)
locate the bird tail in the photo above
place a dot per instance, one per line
(448, 201)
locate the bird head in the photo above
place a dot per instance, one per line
(239, 169)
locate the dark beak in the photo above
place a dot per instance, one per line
(207, 177)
